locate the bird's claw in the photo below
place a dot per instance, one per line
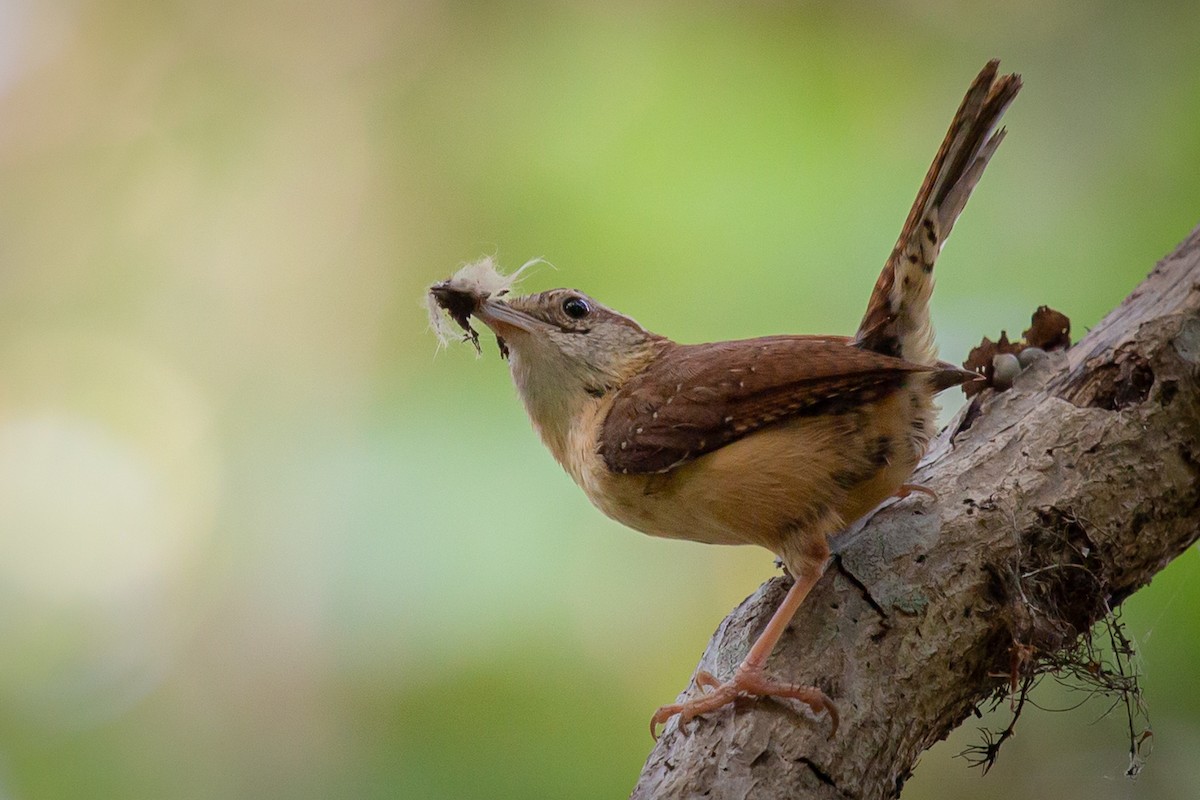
(909, 488)
(746, 681)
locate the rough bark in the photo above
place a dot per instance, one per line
(1057, 500)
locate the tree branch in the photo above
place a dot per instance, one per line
(1058, 499)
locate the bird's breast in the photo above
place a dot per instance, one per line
(805, 476)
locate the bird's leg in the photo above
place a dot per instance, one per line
(750, 678)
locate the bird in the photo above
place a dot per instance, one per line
(778, 441)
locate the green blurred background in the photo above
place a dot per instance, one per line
(258, 540)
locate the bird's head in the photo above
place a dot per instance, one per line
(563, 342)
(566, 353)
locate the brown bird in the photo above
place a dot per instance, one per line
(779, 441)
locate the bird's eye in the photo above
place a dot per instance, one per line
(576, 307)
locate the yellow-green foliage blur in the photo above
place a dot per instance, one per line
(258, 540)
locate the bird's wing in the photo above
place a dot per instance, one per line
(697, 398)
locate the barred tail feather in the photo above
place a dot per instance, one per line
(897, 320)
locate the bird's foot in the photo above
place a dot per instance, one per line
(908, 488)
(748, 681)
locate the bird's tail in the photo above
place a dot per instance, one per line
(897, 319)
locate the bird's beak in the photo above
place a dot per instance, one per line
(503, 319)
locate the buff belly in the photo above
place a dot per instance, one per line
(777, 488)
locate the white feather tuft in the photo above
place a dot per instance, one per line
(482, 279)
(439, 323)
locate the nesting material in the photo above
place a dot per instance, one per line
(456, 298)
